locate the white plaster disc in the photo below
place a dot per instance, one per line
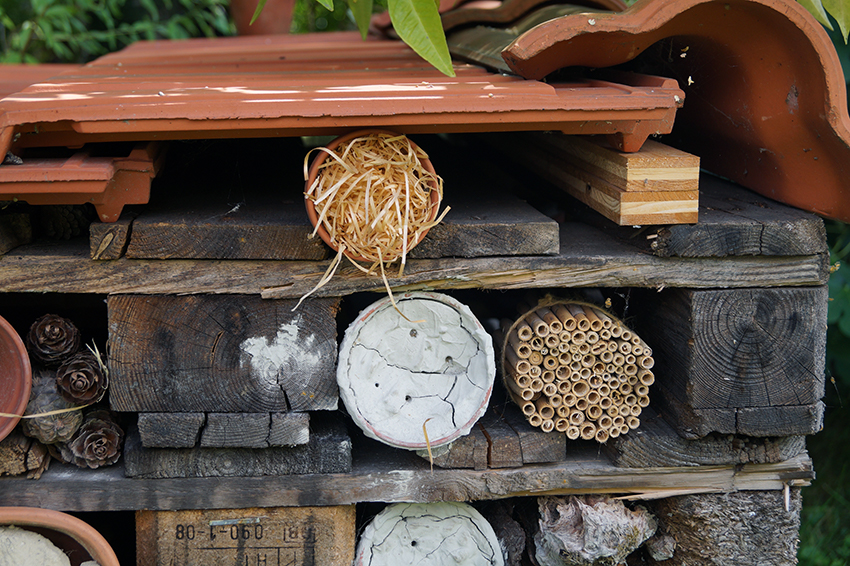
(437, 369)
(439, 534)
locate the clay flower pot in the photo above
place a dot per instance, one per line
(79, 540)
(15, 377)
(322, 156)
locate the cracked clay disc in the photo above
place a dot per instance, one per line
(440, 533)
(436, 369)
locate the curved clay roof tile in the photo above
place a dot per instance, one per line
(765, 99)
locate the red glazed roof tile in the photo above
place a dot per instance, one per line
(313, 84)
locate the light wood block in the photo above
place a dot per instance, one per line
(656, 185)
(277, 536)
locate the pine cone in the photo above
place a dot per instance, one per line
(44, 398)
(51, 339)
(81, 380)
(97, 442)
(63, 221)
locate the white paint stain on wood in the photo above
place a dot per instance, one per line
(289, 353)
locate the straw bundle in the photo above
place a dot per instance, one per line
(596, 371)
(372, 198)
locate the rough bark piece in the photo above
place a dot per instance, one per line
(221, 353)
(170, 430)
(236, 430)
(511, 535)
(426, 366)
(15, 230)
(589, 530)
(13, 453)
(297, 536)
(725, 350)
(108, 240)
(429, 533)
(746, 528)
(656, 444)
(20, 454)
(328, 452)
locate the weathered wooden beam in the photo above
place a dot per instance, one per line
(221, 353)
(656, 444)
(381, 473)
(588, 258)
(327, 452)
(745, 361)
(298, 536)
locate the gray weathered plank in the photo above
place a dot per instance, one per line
(221, 353)
(384, 474)
(236, 430)
(656, 444)
(587, 258)
(328, 452)
(170, 430)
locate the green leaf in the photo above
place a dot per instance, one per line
(815, 8)
(259, 9)
(362, 12)
(840, 10)
(418, 24)
(328, 4)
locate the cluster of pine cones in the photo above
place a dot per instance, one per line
(68, 382)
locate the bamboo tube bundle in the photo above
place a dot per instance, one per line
(577, 370)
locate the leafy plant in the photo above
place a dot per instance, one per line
(76, 31)
(417, 22)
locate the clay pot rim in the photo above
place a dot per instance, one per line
(322, 156)
(87, 536)
(16, 387)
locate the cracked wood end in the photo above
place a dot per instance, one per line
(395, 374)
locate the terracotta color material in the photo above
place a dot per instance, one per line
(77, 538)
(766, 101)
(109, 183)
(17, 77)
(322, 156)
(15, 377)
(286, 85)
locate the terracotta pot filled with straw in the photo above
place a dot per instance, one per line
(372, 196)
(575, 369)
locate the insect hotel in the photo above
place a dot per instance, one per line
(306, 300)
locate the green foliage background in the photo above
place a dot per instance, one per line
(77, 31)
